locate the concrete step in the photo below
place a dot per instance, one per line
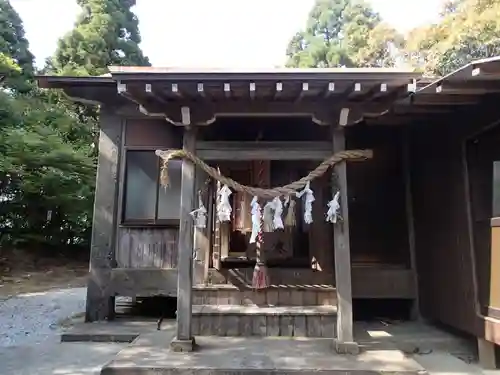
(275, 295)
(288, 321)
(150, 355)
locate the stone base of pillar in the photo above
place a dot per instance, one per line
(345, 347)
(487, 355)
(177, 345)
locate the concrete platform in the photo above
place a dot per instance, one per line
(149, 354)
(119, 330)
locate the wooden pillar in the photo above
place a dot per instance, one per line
(344, 342)
(415, 312)
(184, 341)
(209, 230)
(100, 299)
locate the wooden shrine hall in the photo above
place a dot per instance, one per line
(382, 226)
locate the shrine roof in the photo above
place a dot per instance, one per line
(385, 95)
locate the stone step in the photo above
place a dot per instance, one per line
(149, 354)
(275, 295)
(288, 321)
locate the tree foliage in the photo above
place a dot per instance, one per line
(15, 46)
(47, 143)
(343, 33)
(106, 33)
(468, 30)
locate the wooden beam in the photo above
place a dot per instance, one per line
(251, 89)
(263, 150)
(412, 86)
(422, 109)
(278, 90)
(184, 340)
(209, 229)
(356, 91)
(174, 89)
(149, 90)
(344, 116)
(186, 115)
(227, 90)
(100, 301)
(330, 89)
(200, 89)
(410, 220)
(344, 343)
(438, 99)
(143, 282)
(225, 234)
(304, 90)
(205, 112)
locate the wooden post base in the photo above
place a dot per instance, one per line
(182, 346)
(98, 307)
(346, 347)
(487, 357)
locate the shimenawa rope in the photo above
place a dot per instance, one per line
(286, 190)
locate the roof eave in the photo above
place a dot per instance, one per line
(58, 82)
(341, 74)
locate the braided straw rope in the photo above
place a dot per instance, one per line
(288, 189)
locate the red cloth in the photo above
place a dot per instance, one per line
(260, 279)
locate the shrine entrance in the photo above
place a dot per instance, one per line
(287, 248)
(265, 218)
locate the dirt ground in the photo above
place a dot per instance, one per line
(21, 272)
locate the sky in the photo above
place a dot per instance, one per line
(209, 33)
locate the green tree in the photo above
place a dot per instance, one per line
(343, 33)
(13, 42)
(106, 33)
(468, 30)
(47, 170)
(46, 179)
(14, 45)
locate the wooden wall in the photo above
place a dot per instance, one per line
(452, 252)
(494, 297)
(377, 213)
(148, 246)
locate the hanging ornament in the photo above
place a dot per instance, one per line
(223, 206)
(333, 213)
(256, 217)
(267, 217)
(290, 213)
(309, 199)
(200, 214)
(277, 211)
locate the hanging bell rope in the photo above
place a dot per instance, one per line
(287, 190)
(260, 276)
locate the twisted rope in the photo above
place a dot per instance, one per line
(288, 189)
(260, 235)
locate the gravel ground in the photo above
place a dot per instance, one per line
(33, 318)
(30, 336)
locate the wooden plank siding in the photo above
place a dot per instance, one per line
(451, 196)
(155, 247)
(147, 248)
